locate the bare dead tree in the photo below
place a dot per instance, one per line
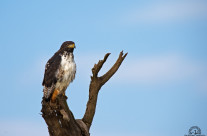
(60, 119)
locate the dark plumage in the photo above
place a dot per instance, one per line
(60, 70)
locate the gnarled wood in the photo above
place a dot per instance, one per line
(59, 118)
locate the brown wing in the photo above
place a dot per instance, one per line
(50, 70)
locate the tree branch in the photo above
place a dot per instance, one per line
(96, 84)
(113, 69)
(97, 67)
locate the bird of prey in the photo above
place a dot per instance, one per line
(59, 71)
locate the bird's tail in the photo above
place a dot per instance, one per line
(47, 92)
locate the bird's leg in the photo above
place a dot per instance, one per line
(54, 95)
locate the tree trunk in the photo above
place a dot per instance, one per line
(60, 119)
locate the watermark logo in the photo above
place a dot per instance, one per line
(194, 131)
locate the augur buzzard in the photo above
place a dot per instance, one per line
(59, 71)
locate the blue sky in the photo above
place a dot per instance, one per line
(160, 89)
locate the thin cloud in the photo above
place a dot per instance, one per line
(159, 69)
(167, 12)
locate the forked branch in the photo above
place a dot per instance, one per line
(97, 83)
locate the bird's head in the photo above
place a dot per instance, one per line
(68, 45)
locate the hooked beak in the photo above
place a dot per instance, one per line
(71, 46)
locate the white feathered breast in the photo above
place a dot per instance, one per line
(66, 71)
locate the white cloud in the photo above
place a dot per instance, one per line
(167, 12)
(159, 69)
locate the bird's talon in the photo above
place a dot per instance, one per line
(54, 95)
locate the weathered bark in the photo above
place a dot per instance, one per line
(59, 118)
(97, 83)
